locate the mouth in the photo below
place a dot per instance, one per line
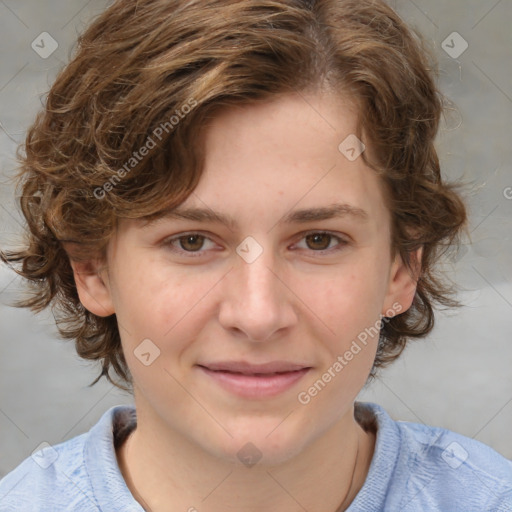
(246, 368)
(255, 381)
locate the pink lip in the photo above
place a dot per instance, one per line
(260, 385)
(251, 368)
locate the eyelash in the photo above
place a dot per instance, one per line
(195, 254)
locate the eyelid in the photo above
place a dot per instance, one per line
(342, 241)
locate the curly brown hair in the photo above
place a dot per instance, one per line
(152, 73)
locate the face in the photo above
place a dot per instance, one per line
(274, 285)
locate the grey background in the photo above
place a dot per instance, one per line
(459, 378)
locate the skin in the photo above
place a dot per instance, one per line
(292, 303)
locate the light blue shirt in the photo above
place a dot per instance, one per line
(414, 468)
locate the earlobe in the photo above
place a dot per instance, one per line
(402, 284)
(93, 287)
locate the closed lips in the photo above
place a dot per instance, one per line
(245, 368)
(254, 374)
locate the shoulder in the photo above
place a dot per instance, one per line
(432, 468)
(51, 477)
(457, 467)
(70, 475)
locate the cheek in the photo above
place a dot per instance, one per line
(346, 301)
(162, 304)
(350, 306)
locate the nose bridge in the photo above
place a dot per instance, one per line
(255, 274)
(255, 302)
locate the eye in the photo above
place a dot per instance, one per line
(192, 244)
(189, 243)
(319, 241)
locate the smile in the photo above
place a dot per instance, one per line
(255, 385)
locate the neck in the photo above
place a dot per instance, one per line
(165, 472)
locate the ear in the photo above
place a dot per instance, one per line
(93, 287)
(402, 283)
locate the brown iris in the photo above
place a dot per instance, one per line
(195, 241)
(316, 237)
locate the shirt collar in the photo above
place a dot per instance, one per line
(372, 494)
(106, 478)
(113, 494)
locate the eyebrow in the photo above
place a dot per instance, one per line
(337, 210)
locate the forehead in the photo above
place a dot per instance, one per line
(284, 161)
(296, 149)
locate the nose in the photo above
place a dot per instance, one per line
(256, 301)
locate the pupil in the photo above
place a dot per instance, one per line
(317, 236)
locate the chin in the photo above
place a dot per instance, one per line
(259, 446)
